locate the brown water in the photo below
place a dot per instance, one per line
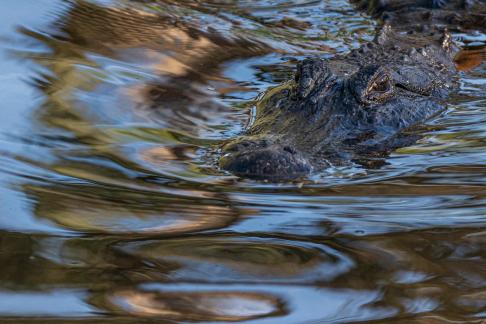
(112, 208)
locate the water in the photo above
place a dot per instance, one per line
(112, 208)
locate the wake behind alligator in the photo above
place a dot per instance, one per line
(359, 107)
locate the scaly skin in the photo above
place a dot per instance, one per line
(407, 14)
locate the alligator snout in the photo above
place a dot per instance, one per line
(264, 161)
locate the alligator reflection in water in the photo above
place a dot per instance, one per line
(104, 159)
(179, 60)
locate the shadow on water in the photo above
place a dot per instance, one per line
(113, 208)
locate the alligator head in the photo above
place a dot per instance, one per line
(349, 108)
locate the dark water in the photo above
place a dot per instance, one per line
(112, 208)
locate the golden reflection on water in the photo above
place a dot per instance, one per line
(469, 59)
(196, 306)
(91, 209)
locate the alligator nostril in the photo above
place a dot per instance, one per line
(289, 149)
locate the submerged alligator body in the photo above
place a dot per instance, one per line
(406, 14)
(355, 108)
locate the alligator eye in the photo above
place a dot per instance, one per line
(379, 89)
(380, 85)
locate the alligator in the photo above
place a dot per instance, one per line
(352, 108)
(357, 108)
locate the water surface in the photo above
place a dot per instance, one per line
(113, 208)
